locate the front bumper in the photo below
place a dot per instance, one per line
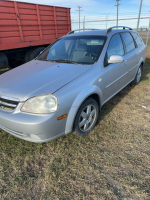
(33, 128)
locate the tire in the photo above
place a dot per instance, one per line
(33, 53)
(138, 76)
(27, 56)
(3, 61)
(86, 117)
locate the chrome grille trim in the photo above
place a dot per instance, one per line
(9, 98)
(8, 103)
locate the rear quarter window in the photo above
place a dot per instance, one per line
(128, 41)
(138, 40)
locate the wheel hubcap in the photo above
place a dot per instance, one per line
(139, 75)
(87, 118)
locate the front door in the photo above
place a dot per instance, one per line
(114, 75)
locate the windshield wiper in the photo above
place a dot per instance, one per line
(65, 61)
(44, 59)
(62, 61)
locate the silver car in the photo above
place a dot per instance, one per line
(64, 88)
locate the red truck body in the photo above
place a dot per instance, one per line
(26, 29)
(25, 24)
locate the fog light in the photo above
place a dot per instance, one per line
(35, 137)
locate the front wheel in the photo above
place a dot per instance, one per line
(138, 76)
(86, 117)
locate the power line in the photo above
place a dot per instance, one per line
(95, 4)
(107, 15)
(79, 14)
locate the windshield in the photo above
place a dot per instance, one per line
(75, 49)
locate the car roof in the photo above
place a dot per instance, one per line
(99, 32)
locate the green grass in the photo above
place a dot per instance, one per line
(112, 162)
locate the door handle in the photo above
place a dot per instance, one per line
(125, 62)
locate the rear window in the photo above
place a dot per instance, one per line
(138, 40)
(128, 41)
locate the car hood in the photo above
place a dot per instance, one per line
(38, 77)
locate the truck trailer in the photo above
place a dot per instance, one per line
(26, 29)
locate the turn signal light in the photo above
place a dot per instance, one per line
(62, 117)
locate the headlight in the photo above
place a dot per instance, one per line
(41, 104)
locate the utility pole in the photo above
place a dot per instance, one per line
(117, 10)
(106, 21)
(79, 14)
(148, 33)
(139, 15)
(84, 23)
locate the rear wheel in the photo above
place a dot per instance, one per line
(86, 117)
(138, 76)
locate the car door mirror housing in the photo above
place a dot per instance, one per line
(115, 59)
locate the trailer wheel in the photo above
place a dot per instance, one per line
(35, 52)
(3, 61)
(27, 56)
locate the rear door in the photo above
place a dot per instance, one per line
(131, 55)
(140, 50)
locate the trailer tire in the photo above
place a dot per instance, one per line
(35, 52)
(27, 56)
(3, 61)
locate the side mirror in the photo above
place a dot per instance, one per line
(115, 59)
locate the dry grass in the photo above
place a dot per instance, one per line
(3, 70)
(148, 48)
(112, 162)
(148, 51)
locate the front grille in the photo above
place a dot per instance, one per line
(8, 103)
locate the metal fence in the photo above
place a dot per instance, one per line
(99, 23)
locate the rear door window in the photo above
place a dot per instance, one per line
(138, 40)
(128, 41)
